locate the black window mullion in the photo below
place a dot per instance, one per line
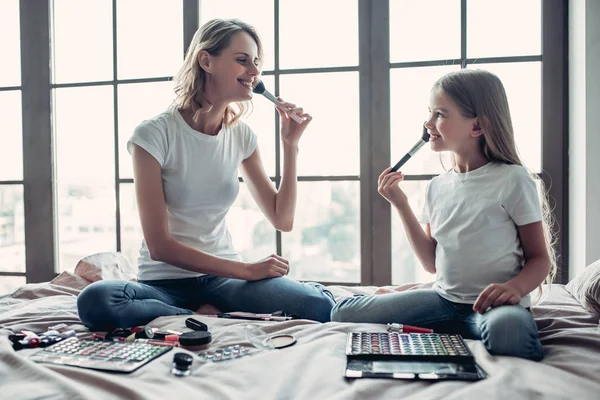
(277, 73)
(374, 81)
(115, 84)
(38, 143)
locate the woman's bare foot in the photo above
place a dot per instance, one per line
(207, 309)
(385, 290)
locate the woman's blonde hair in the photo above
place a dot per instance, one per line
(480, 94)
(213, 37)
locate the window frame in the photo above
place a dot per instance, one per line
(374, 88)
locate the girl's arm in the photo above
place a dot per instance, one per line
(535, 270)
(420, 240)
(537, 259)
(161, 245)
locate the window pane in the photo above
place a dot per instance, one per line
(12, 229)
(405, 264)
(11, 136)
(417, 29)
(523, 84)
(258, 13)
(85, 162)
(497, 28)
(252, 234)
(77, 61)
(10, 45)
(410, 91)
(9, 284)
(149, 38)
(303, 45)
(131, 227)
(325, 242)
(262, 122)
(138, 102)
(335, 124)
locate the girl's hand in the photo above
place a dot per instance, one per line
(495, 295)
(389, 189)
(291, 131)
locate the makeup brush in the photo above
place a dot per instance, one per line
(260, 89)
(424, 139)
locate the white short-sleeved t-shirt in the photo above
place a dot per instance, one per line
(200, 180)
(473, 217)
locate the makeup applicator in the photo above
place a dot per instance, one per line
(260, 89)
(424, 139)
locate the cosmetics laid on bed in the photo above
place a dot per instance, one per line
(100, 355)
(276, 316)
(398, 355)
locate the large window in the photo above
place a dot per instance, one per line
(101, 92)
(481, 34)
(364, 75)
(325, 242)
(12, 217)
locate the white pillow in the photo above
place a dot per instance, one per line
(105, 266)
(585, 287)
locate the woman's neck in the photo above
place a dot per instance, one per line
(210, 119)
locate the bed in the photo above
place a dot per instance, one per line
(310, 369)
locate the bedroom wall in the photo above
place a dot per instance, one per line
(584, 137)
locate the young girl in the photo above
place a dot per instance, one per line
(484, 232)
(186, 163)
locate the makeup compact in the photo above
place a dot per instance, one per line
(279, 341)
(195, 340)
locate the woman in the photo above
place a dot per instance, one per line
(186, 163)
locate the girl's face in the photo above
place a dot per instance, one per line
(449, 130)
(233, 73)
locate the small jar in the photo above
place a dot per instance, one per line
(195, 341)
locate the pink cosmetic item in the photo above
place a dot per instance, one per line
(400, 328)
(260, 89)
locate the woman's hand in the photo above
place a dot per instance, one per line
(495, 295)
(389, 189)
(291, 131)
(273, 266)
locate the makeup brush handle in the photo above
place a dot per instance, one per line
(292, 115)
(296, 117)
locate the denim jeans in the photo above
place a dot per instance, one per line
(105, 305)
(506, 330)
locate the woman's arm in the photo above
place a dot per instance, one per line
(278, 206)
(161, 245)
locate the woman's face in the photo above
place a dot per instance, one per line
(234, 72)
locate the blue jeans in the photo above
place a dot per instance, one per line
(506, 330)
(105, 305)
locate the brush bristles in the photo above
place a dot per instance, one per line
(425, 136)
(259, 87)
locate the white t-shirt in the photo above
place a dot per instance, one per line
(473, 217)
(200, 180)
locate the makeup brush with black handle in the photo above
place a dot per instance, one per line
(424, 139)
(260, 89)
